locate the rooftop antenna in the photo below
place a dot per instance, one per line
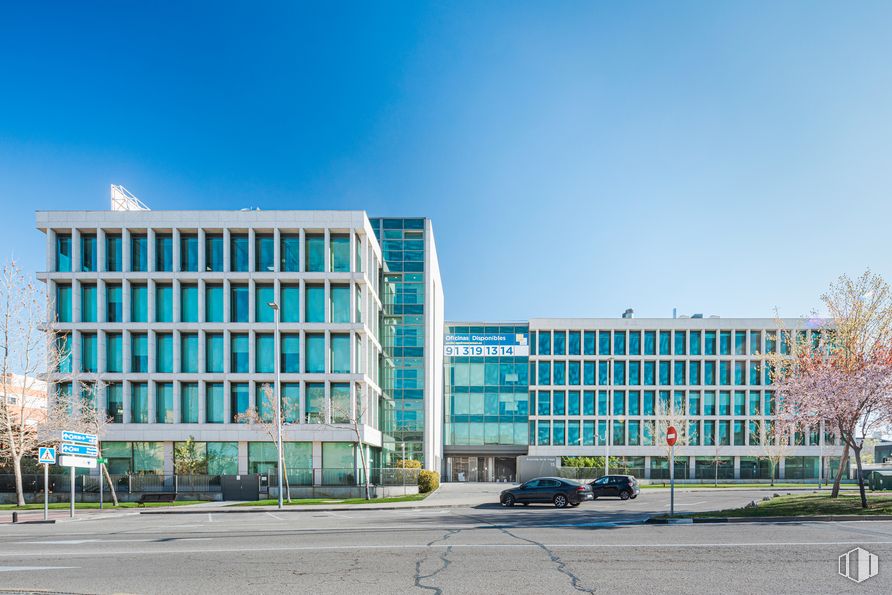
(123, 200)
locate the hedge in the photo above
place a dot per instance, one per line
(428, 481)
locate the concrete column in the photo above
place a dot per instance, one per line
(168, 458)
(125, 250)
(242, 457)
(151, 391)
(277, 250)
(227, 289)
(150, 250)
(782, 468)
(302, 261)
(227, 405)
(100, 250)
(736, 467)
(317, 463)
(75, 250)
(252, 257)
(202, 399)
(177, 409)
(326, 266)
(227, 256)
(202, 253)
(252, 301)
(125, 394)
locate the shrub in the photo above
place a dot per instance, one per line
(428, 481)
(408, 464)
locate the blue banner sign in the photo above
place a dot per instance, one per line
(82, 450)
(487, 344)
(80, 437)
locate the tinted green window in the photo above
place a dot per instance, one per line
(189, 302)
(724, 403)
(113, 254)
(664, 373)
(709, 402)
(163, 303)
(290, 253)
(739, 402)
(635, 373)
(88, 303)
(139, 303)
(290, 303)
(634, 342)
(63, 303)
(341, 410)
(693, 372)
(573, 373)
(588, 373)
(315, 304)
(164, 353)
(239, 353)
(238, 252)
(650, 342)
(315, 253)
(544, 343)
(709, 347)
(88, 353)
(739, 343)
(619, 343)
(239, 303)
(619, 373)
(114, 403)
(680, 339)
(340, 253)
(725, 343)
(63, 253)
(649, 403)
(291, 354)
(665, 338)
(114, 303)
(315, 358)
(213, 252)
(560, 343)
(544, 373)
(264, 296)
(114, 353)
(139, 253)
(214, 404)
(213, 303)
(619, 402)
(619, 433)
(139, 353)
(189, 253)
(679, 375)
(589, 342)
(724, 373)
(189, 353)
(189, 402)
(264, 354)
(315, 406)
(573, 340)
(755, 373)
(603, 342)
(88, 252)
(163, 252)
(222, 458)
(695, 342)
(239, 399)
(264, 252)
(709, 372)
(650, 373)
(139, 403)
(340, 303)
(214, 353)
(164, 403)
(739, 373)
(340, 354)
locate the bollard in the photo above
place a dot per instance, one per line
(15, 517)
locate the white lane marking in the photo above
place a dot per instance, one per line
(21, 568)
(210, 518)
(278, 518)
(82, 541)
(422, 546)
(677, 504)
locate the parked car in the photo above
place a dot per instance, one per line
(557, 490)
(621, 486)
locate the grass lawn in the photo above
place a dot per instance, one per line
(94, 505)
(302, 501)
(697, 486)
(809, 505)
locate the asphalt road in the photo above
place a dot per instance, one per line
(484, 549)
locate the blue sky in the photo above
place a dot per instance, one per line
(576, 158)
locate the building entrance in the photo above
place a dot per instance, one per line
(481, 469)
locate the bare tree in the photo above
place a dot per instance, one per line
(28, 346)
(352, 414)
(774, 443)
(264, 418)
(670, 416)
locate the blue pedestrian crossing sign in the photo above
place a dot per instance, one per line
(46, 454)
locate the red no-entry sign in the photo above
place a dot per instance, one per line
(671, 436)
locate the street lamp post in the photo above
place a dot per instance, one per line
(609, 412)
(279, 459)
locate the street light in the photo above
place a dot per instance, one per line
(610, 361)
(279, 459)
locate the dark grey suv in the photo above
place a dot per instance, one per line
(554, 490)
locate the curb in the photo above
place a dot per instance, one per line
(295, 508)
(774, 519)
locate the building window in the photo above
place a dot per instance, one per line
(709, 402)
(315, 406)
(724, 373)
(710, 343)
(189, 402)
(139, 353)
(544, 373)
(739, 343)
(315, 304)
(114, 402)
(619, 402)
(340, 303)
(88, 353)
(588, 340)
(603, 342)
(113, 254)
(694, 402)
(739, 373)
(88, 302)
(213, 303)
(239, 400)
(724, 402)
(291, 354)
(164, 353)
(290, 253)
(340, 354)
(560, 343)
(213, 252)
(239, 303)
(264, 253)
(238, 252)
(709, 373)
(635, 373)
(573, 373)
(560, 373)
(340, 253)
(214, 404)
(619, 373)
(544, 433)
(164, 303)
(341, 411)
(695, 342)
(88, 252)
(238, 344)
(649, 402)
(650, 373)
(650, 342)
(114, 303)
(725, 343)
(680, 340)
(63, 302)
(315, 253)
(188, 302)
(634, 342)
(139, 253)
(214, 353)
(544, 343)
(139, 302)
(619, 342)
(63, 253)
(114, 353)
(574, 347)
(163, 252)
(264, 295)
(315, 350)
(139, 403)
(665, 338)
(164, 403)
(290, 303)
(694, 373)
(189, 253)
(264, 354)
(189, 353)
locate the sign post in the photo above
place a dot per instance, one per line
(78, 450)
(671, 438)
(47, 456)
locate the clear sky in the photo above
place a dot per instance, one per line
(576, 158)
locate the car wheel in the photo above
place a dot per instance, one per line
(508, 500)
(624, 495)
(574, 504)
(560, 501)
(633, 497)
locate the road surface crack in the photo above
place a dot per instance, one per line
(444, 563)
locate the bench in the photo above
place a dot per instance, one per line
(156, 497)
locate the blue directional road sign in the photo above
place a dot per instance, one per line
(82, 450)
(46, 454)
(79, 437)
